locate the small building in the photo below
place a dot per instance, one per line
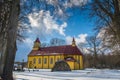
(45, 57)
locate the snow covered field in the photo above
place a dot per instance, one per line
(87, 74)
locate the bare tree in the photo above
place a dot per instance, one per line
(107, 13)
(56, 42)
(44, 44)
(93, 47)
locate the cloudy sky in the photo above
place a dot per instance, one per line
(47, 26)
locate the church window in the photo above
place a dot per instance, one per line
(51, 61)
(45, 60)
(34, 61)
(39, 61)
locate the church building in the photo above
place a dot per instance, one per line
(45, 57)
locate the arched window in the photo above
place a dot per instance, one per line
(39, 61)
(34, 61)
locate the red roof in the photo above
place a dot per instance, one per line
(55, 50)
(37, 40)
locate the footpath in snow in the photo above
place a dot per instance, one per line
(87, 74)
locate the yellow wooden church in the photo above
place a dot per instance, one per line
(45, 57)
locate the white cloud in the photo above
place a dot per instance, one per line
(61, 6)
(69, 39)
(81, 38)
(62, 28)
(44, 24)
(53, 2)
(60, 11)
(68, 3)
(78, 2)
(29, 42)
(35, 18)
(72, 3)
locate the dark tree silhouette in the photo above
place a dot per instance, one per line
(9, 12)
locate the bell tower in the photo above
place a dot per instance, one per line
(73, 42)
(36, 44)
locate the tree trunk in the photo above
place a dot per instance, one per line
(3, 40)
(8, 37)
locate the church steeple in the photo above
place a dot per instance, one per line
(73, 42)
(36, 44)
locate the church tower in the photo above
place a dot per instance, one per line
(36, 44)
(73, 42)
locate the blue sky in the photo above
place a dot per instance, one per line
(79, 23)
(46, 27)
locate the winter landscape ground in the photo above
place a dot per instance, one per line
(87, 74)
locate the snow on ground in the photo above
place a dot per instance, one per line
(87, 74)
